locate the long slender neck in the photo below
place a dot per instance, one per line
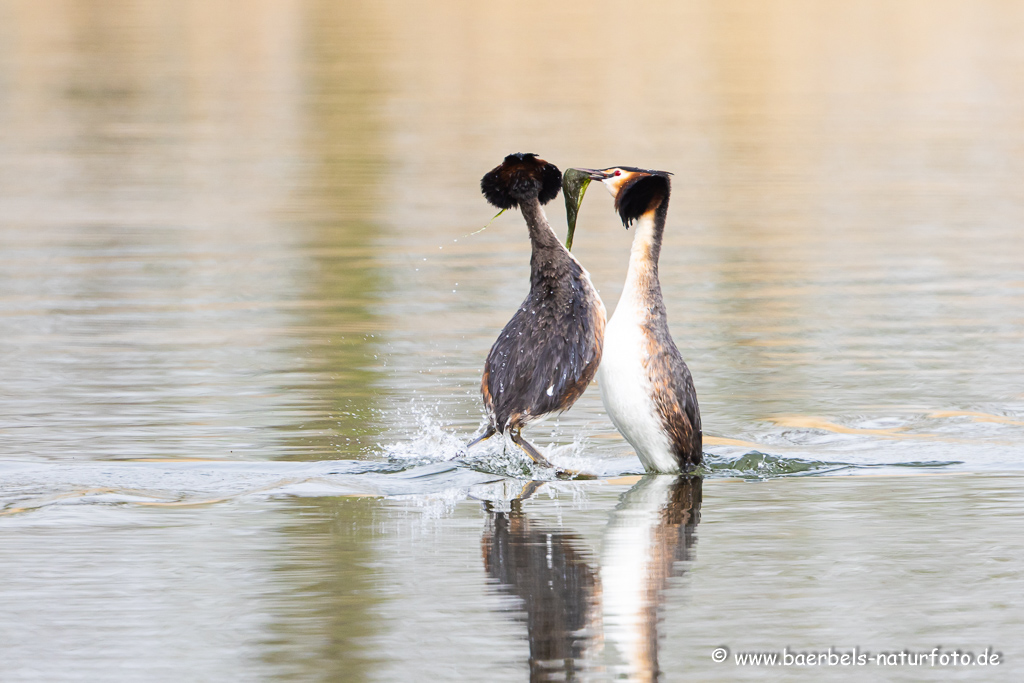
(541, 234)
(642, 278)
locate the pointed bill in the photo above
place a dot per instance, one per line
(574, 186)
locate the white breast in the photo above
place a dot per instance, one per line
(626, 389)
(633, 572)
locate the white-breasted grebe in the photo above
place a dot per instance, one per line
(547, 354)
(645, 384)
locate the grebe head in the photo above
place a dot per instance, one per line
(520, 177)
(636, 190)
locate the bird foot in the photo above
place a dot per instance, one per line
(534, 454)
(563, 473)
(488, 433)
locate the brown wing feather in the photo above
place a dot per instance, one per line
(675, 397)
(485, 389)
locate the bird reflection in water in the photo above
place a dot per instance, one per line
(547, 569)
(651, 531)
(572, 608)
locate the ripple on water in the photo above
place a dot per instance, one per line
(434, 460)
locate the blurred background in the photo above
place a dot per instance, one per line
(248, 231)
(243, 231)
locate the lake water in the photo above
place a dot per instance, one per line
(245, 303)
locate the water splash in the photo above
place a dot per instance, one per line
(432, 442)
(500, 456)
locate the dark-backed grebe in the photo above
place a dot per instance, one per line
(645, 385)
(549, 351)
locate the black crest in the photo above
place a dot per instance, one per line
(519, 177)
(639, 195)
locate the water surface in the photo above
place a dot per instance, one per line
(244, 307)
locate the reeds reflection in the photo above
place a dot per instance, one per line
(572, 608)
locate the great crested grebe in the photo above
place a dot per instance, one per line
(548, 352)
(645, 385)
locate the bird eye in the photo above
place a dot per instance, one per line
(618, 172)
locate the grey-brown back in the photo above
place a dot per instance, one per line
(549, 351)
